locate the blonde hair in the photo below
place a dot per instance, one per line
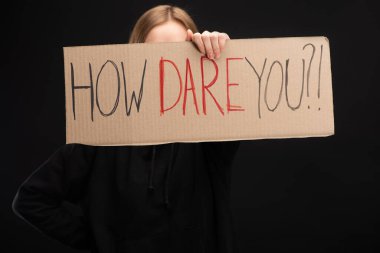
(159, 15)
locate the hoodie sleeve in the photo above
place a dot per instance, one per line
(60, 178)
(219, 156)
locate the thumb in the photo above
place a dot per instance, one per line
(189, 35)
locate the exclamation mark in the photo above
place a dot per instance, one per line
(319, 76)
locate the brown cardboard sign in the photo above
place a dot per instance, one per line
(140, 94)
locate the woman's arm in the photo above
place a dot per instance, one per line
(40, 197)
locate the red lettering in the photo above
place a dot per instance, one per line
(229, 106)
(206, 87)
(188, 71)
(162, 79)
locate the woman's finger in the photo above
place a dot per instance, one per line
(215, 43)
(207, 44)
(189, 36)
(197, 39)
(222, 40)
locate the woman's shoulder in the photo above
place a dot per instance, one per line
(76, 151)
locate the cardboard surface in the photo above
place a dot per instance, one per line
(139, 94)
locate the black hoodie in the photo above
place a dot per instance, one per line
(159, 198)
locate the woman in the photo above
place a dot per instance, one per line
(158, 198)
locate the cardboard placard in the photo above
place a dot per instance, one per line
(152, 93)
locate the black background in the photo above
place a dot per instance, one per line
(307, 194)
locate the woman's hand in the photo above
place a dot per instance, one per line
(208, 43)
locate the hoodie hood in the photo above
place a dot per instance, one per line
(169, 170)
